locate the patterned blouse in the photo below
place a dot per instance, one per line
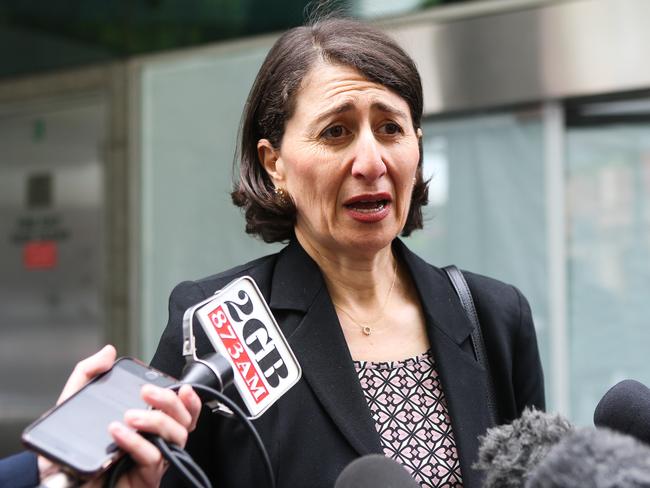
(411, 416)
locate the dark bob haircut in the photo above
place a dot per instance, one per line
(272, 101)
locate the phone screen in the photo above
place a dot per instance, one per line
(76, 432)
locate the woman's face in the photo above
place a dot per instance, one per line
(348, 158)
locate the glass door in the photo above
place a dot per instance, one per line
(487, 208)
(51, 252)
(608, 247)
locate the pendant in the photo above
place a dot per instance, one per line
(366, 330)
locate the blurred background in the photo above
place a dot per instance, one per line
(118, 122)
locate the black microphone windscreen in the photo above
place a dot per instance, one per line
(626, 409)
(375, 471)
(594, 458)
(509, 452)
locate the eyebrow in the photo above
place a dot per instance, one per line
(349, 106)
(382, 107)
(338, 110)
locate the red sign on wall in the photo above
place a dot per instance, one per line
(40, 254)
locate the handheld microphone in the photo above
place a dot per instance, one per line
(250, 351)
(597, 458)
(375, 471)
(626, 409)
(250, 348)
(507, 453)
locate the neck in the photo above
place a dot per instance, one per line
(358, 283)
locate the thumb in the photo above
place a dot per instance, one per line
(87, 369)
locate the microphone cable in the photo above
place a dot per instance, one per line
(178, 458)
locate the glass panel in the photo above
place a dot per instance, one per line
(190, 228)
(608, 198)
(51, 253)
(486, 211)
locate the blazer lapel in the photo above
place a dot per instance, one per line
(464, 381)
(318, 342)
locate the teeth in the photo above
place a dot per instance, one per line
(368, 207)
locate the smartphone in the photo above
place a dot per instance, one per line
(75, 434)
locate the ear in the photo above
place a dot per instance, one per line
(270, 159)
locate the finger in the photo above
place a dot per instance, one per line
(87, 369)
(157, 422)
(192, 403)
(94, 483)
(46, 467)
(141, 450)
(168, 402)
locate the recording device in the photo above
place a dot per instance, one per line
(75, 434)
(508, 453)
(250, 350)
(594, 458)
(375, 471)
(626, 409)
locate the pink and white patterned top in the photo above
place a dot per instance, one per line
(411, 416)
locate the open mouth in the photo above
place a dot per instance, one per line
(368, 206)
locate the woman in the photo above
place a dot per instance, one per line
(331, 161)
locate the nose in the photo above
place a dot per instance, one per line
(368, 163)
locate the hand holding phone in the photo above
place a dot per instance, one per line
(83, 372)
(76, 434)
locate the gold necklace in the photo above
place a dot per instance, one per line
(364, 326)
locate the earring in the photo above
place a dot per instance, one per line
(282, 197)
(419, 133)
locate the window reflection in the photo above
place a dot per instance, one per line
(608, 221)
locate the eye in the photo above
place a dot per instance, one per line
(390, 129)
(335, 132)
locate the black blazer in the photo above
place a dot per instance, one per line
(323, 423)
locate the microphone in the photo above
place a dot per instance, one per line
(507, 453)
(375, 471)
(626, 409)
(597, 458)
(250, 349)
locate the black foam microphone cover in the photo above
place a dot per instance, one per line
(593, 458)
(508, 452)
(626, 409)
(375, 471)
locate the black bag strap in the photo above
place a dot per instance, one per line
(462, 290)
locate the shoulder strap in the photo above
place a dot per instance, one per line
(462, 290)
